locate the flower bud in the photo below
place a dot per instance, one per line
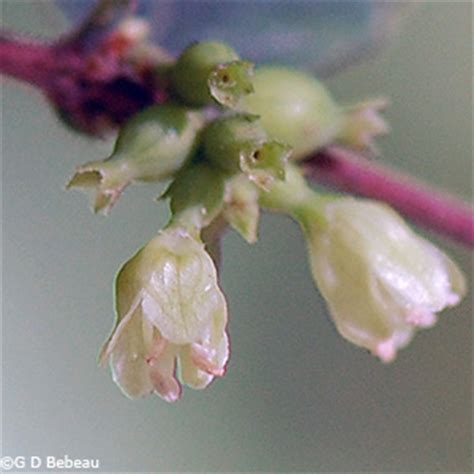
(197, 194)
(228, 83)
(170, 309)
(294, 108)
(211, 70)
(362, 124)
(152, 146)
(238, 143)
(241, 209)
(380, 280)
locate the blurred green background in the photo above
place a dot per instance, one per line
(296, 397)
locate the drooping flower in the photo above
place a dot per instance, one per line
(381, 281)
(171, 318)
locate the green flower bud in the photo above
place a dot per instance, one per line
(152, 146)
(228, 83)
(381, 281)
(211, 70)
(294, 108)
(238, 143)
(196, 195)
(241, 209)
(170, 309)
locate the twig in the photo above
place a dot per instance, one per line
(351, 172)
(27, 61)
(88, 76)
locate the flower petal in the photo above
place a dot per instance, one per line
(182, 296)
(190, 374)
(121, 324)
(162, 375)
(201, 364)
(128, 358)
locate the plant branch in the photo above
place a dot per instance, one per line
(436, 211)
(26, 61)
(90, 76)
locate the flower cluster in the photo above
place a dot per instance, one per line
(230, 145)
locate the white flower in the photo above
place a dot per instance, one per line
(380, 280)
(170, 312)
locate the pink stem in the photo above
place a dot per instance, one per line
(424, 205)
(27, 61)
(95, 89)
